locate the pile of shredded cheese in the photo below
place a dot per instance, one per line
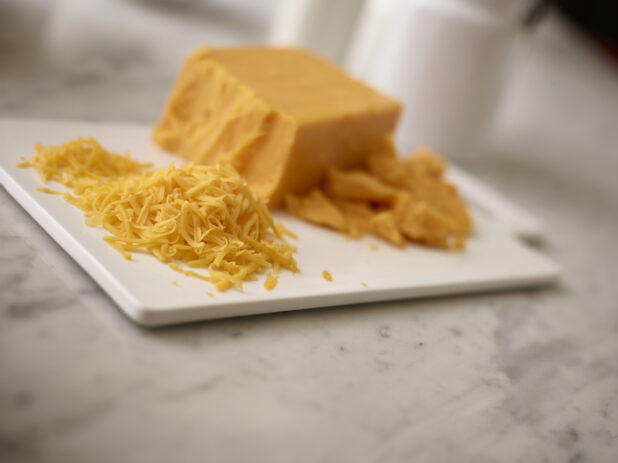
(202, 216)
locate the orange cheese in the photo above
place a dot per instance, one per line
(203, 216)
(280, 116)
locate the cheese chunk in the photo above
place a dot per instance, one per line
(280, 116)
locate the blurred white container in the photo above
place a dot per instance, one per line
(324, 26)
(444, 59)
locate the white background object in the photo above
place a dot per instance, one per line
(143, 286)
(324, 26)
(444, 59)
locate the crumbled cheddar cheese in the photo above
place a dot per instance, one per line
(204, 217)
(316, 208)
(394, 199)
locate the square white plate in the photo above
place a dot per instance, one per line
(143, 287)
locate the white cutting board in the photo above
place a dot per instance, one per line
(143, 287)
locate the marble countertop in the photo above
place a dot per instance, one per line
(530, 375)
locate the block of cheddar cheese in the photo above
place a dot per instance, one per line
(281, 116)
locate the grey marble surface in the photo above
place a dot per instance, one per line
(522, 376)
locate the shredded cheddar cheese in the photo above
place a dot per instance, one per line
(271, 281)
(202, 216)
(326, 275)
(80, 162)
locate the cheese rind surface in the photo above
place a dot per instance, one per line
(281, 116)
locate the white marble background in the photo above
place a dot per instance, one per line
(524, 376)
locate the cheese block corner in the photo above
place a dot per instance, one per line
(281, 116)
